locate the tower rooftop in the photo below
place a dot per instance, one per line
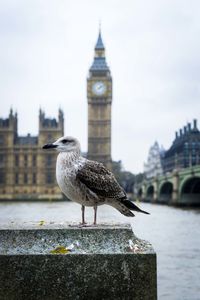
(99, 44)
(99, 64)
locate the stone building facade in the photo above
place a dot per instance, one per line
(26, 171)
(183, 153)
(99, 95)
(185, 149)
(153, 167)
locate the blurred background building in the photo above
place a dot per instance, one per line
(153, 167)
(173, 176)
(183, 153)
(26, 172)
(185, 149)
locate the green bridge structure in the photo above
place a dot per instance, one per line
(179, 187)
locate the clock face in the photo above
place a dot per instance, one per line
(99, 88)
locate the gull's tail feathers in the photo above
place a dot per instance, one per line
(123, 209)
(130, 205)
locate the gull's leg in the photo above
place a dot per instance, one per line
(83, 214)
(95, 215)
(83, 223)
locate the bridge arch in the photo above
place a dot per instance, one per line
(165, 192)
(190, 191)
(150, 193)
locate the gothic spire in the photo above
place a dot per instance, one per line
(99, 44)
(99, 64)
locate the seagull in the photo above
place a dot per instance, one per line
(88, 182)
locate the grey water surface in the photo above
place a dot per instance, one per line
(173, 232)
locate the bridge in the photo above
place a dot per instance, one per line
(180, 187)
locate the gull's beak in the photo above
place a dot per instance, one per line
(49, 146)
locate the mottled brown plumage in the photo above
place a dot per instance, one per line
(100, 180)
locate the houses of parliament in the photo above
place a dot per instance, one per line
(26, 171)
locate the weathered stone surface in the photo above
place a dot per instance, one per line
(102, 264)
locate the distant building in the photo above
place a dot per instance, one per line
(26, 171)
(153, 166)
(99, 95)
(185, 150)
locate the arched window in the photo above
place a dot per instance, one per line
(16, 178)
(25, 178)
(2, 177)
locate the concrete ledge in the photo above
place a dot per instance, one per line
(107, 262)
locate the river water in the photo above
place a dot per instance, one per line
(173, 232)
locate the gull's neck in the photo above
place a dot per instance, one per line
(69, 158)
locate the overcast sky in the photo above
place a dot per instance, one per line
(152, 48)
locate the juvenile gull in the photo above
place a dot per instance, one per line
(88, 182)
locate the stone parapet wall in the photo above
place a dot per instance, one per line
(105, 262)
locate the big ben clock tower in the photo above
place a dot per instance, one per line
(99, 95)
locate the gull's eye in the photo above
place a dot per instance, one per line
(64, 141)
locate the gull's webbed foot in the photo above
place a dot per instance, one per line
(83, 224)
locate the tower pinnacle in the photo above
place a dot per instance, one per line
(99, 64)
(99, 44)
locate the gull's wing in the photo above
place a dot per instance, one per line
(100, 180)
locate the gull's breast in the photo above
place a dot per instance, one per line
(67, 183)
(71, 186)
(72, 189)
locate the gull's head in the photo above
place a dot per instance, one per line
(64, 144)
